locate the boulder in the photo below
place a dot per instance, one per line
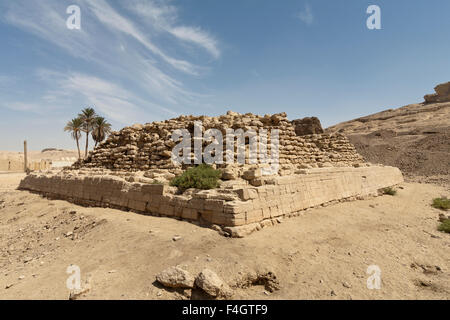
(307, 126)
(175, 277)
(229, 174)
(210, 282)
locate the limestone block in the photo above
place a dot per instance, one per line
(234, 207)
(156, 189)
(198, 204)
(284, 197)
(214, 205)
(189, 214)
(137, 205)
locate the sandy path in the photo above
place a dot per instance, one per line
(323, 254)
(10, 181)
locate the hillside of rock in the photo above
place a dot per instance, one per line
(415, 138)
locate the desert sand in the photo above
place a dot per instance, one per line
(323, 254)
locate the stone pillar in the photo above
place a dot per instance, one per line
(25, 158)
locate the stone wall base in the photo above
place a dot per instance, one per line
(234, 211)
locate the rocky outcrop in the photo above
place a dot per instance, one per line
(442, 94)
(415, 138)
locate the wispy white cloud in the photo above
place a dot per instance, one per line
(306, 15)
(197, 36)
(115, 102)
(164, 17)
(113, 20)
(118, 104)
(45, 19)
(142, 78)
(23, 106)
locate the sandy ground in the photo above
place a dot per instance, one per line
(323, 254)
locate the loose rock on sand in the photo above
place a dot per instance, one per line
(210, 282)
(175, 277)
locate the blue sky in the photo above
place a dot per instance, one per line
(140, 61)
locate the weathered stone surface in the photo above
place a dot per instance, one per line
(443, 89)
(149, 147)
(442, 94)
(307, 126)
(240, 210)
(175, 277)
(241, 231)
(210, 282)
(264, 276)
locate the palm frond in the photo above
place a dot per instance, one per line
(74, 126)
(101, 128)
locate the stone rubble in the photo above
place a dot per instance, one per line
(149, 147)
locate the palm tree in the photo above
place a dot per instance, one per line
(100, 130)
(88, 117)
(75, 126)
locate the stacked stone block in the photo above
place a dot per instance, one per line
(237, 209)
(149, 146)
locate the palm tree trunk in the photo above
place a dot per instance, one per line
(78, 147)
(87, 142)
